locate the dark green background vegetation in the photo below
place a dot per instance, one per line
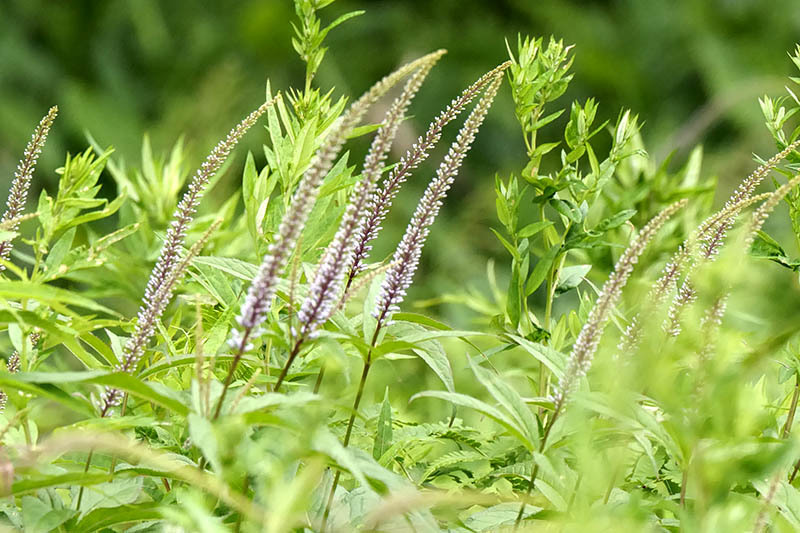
(122, 68)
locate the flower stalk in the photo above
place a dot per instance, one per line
(338, 256)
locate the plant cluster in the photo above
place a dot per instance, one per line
(274, 378)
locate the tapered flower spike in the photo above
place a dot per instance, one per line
(580, 359)
(262, 289)
(163, 277)
(761, 214)
(338, 256)
(406, 258)
(711, 235)
(381, 201)
(676, 266)
(746, 188)
(18, 194)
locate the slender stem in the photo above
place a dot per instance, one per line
(121, 414)
(289, 361)
(351, 422)
(245, 488)
(85, 469)
(535, 471)
(320, 377)
(234, 364)
(794, 472)
(329, 503)
(787, 426)
(684, 482)
(103, 413)
(347, 435)
(575, 491)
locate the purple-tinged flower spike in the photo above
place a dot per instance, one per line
(22, 179)
(262, 290)
(338, 256)
(746, 188)
(580, 359)
(381, 201)
(406, 258)
(686, 296)
(163, 277)
(184, 212)
(710, 323)
(147, 319)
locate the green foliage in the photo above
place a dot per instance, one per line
(685, 425)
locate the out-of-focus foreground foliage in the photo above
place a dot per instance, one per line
(601, 341)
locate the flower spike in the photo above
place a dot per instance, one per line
(164, 276)
(406, 258)
(22, 179)
(580, 359)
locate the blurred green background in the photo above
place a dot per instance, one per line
(692, 70)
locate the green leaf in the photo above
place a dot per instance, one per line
(46, 390)
(52, 296)
(511, 401)
(485, 409)
(553, 360)
(568, 209)
(532, 229)
(59, 250)
(147, 391)
(765, 247)
(383, 432)
(541, 269)
(615, 221)
(201, 431)
(436, 359)
(40, 517)
(235, 267)
(570, 277)
(100, 519)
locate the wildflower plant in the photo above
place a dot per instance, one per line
(278, 375)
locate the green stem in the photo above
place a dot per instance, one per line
(289, 361)
(787, 426)
(85, 470)
(347, 435)
(320, 377)
(229, 377)
(535, 471)
(361, 385)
